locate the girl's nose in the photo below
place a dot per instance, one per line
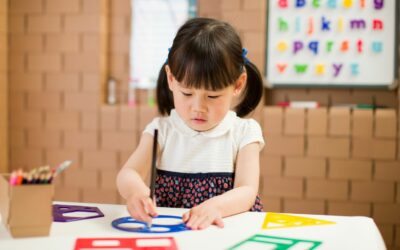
(199, 104)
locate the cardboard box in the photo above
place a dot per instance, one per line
(362, 123)
(294, 121)
(385, 123)
(339, 121)
(26, 210)
(285, 146)
(272, 120)
(334, 147)
(317, 121)
(368, 148)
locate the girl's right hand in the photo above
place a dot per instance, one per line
(141, 208)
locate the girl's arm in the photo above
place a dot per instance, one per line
(247, 177)
(240, 199)
(130, 181)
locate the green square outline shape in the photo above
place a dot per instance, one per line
(275, 240)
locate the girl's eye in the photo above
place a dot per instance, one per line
(186, 94)
(213, 96)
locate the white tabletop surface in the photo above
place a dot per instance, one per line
(354, 232)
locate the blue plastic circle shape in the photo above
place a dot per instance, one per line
(155, 228)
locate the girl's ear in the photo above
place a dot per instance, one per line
(240, 84)
(170, 77)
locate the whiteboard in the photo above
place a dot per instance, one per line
(335, 43)
(154, 25)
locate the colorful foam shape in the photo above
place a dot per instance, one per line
(297, 24)
(331, 4)
(325, 24)
(378, 4)
(278, 220)
(300, 3)
(64, 213)
(259, 241)
(281, 67)
(360, 45)
(313, 46)
(336, 69)
(344, 46)
(329, 45)
(355, 69)
(300, 68)
(128, 224)
(347, 3)
(282, 46)
(297, 46)
(148, 243)
(320, 69)
(377, 46)
(283, 24)
(377, 24)
(310, 26)
(341, 24)
(283, 3)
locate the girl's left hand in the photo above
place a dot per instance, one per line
(202, 216)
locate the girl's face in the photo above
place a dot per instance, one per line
(203, 109)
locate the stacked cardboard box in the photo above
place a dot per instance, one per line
(333, 161)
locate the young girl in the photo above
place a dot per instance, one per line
(208, 155)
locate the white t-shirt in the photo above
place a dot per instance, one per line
(185, 150)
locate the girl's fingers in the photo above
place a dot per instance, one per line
(204, 222)
(150, 207)
(148, 210)
(193, 222)
(199, 222)
(138, 210)
(196, 221)
(132, 211)
(186, 216)
(219, 222)
(135, 213)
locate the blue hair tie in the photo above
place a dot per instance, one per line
(169, 50)
(244, 54)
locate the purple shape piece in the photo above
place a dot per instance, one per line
(60, 211)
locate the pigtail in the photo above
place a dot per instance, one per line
(165, 101)
(253, 91)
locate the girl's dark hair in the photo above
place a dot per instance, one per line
(207, 53)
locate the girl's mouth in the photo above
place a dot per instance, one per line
(199, 120)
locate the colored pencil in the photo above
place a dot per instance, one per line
(61, 167)
(13, 178)
(20, 177)
(153, 165)
(153, 169)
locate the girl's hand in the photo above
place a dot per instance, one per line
(202, 216)
(141, 208)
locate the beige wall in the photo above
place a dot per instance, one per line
(3, 88)
(57, 68)
(60, 55)
(333, 161)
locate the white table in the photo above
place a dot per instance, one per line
(347, 232)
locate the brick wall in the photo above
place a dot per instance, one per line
(57, 67)
(3, 87)
(119, 39)
(333, 161)
(57, 93)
